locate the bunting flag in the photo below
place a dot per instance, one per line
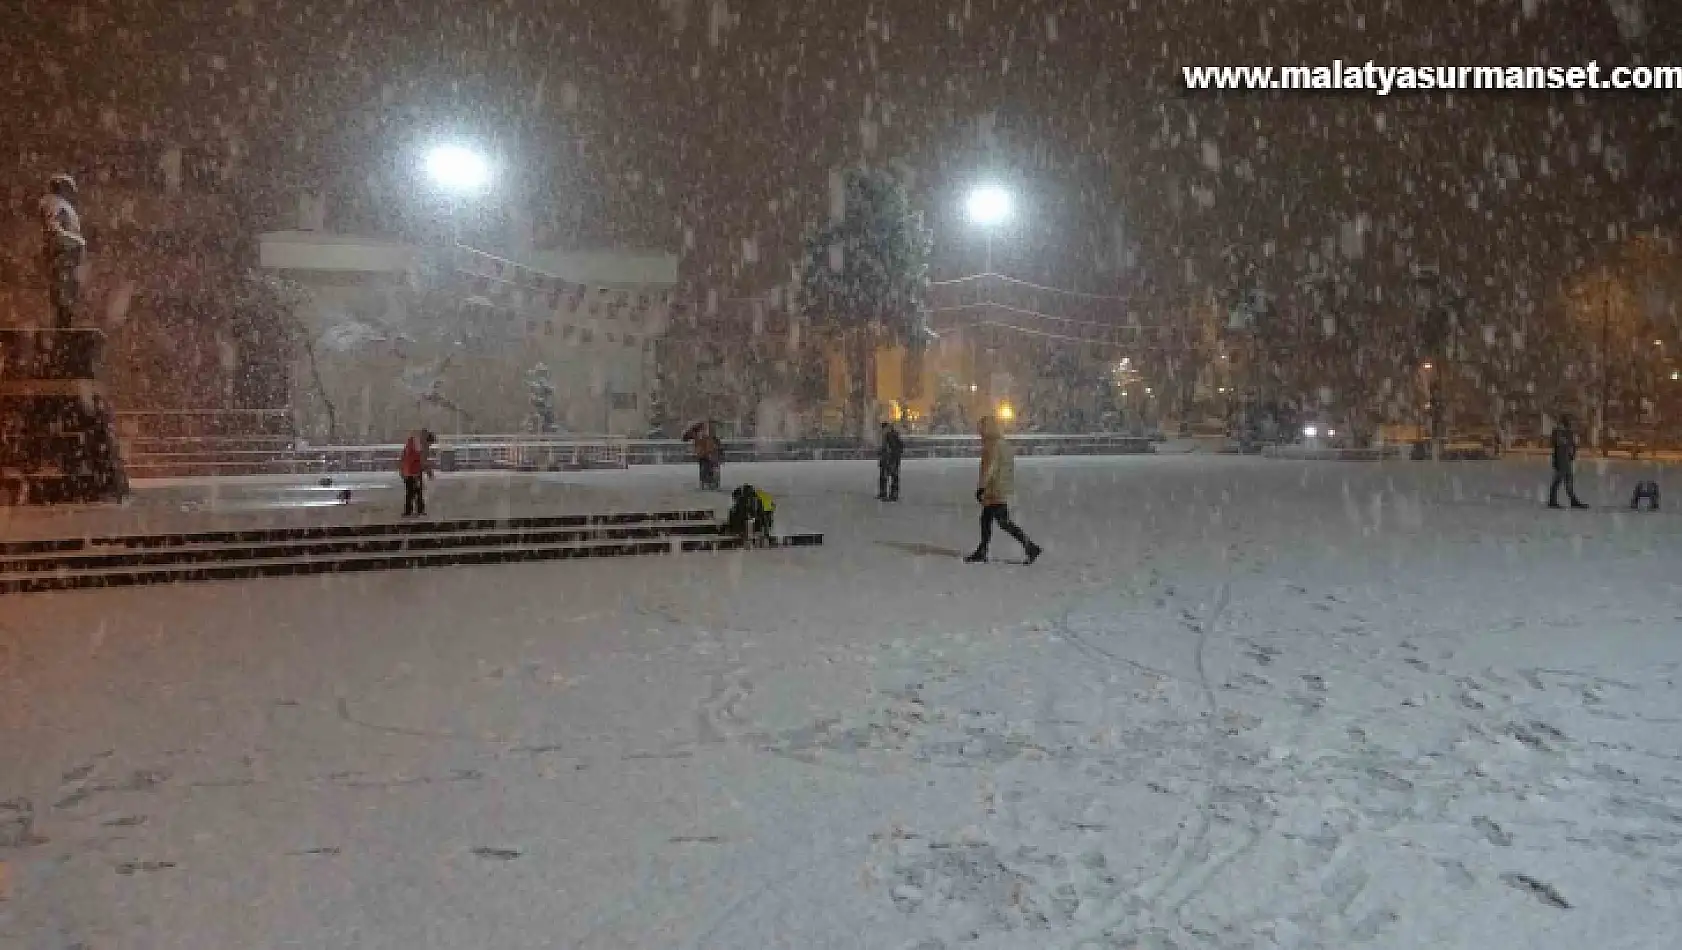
(513, 291)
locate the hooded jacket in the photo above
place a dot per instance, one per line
(892, 450)
(1564, 447)
(998, 465)
(413, 462)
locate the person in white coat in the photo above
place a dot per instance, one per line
(64, 248)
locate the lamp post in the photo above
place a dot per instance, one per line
(989, 206)
(458, 172)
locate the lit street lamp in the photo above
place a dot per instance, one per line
(457, 170)
(988, 207)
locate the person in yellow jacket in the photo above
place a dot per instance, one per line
(752, 514)
(998, 482)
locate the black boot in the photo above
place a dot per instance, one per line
(979, 557)
(1034, 553)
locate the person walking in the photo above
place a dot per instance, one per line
(1564, 460)
(64, 248)
(998, 481)
(709, 457)
(890, 451)
(415, 465)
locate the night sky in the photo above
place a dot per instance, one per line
(714, 127)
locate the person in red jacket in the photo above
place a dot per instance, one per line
(415, 465)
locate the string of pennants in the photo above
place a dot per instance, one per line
(519, 290)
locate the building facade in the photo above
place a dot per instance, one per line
(398, 336)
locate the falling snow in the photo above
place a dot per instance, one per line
(1312, 666)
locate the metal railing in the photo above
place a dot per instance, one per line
(257, 455)
(288, 457)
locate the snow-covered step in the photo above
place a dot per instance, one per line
(26, 582)
(352, 530)
(82, 559)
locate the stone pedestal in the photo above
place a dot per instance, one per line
(57, 444)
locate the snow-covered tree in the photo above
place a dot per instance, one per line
(865, 275)
(542, 389)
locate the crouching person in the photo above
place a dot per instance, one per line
(752, 515)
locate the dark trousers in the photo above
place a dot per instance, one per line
(414, 495)
(709, 472)
(1563, 477)
(1000, 515)
(887, 480)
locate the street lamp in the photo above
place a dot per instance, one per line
(458, 172)
(988, 207)
(457, 169)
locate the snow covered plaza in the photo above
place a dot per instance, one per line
(1239, 704)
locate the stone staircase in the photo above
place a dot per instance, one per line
(56, 440)
(132, 560)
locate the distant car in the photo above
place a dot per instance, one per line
(1323, 435)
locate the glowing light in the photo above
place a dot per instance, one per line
(1310, 431)
(457, 169)
(988, 205)
(1425, 366)
(1007, 412)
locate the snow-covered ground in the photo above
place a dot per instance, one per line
(1239, 704)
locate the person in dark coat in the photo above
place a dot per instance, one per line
(752, 514)
(889, 453)
(1565, 460)
(709, 456)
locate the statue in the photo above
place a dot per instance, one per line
(63, 248)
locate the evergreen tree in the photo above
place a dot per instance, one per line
(542, 390)
(865, 276)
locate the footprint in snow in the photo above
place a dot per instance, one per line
(1541, 890)
(1495, 834)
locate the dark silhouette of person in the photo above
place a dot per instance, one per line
(889, 453)
(1564, 462)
